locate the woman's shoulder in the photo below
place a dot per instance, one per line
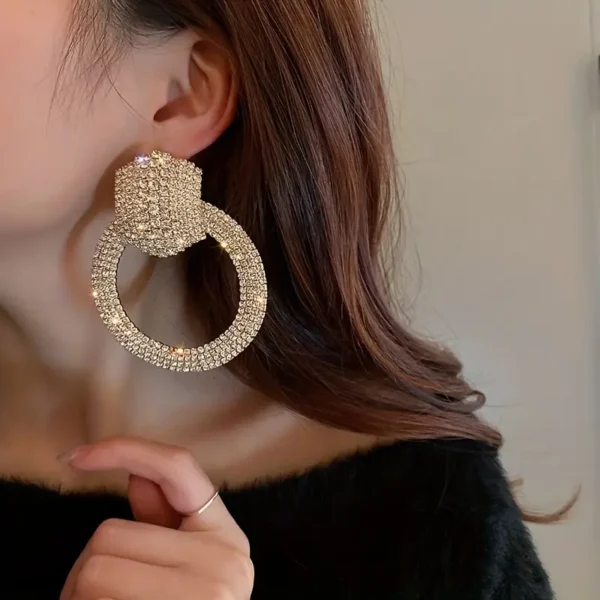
(431, 520)
(421, 519)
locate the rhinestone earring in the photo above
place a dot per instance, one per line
(158, 209)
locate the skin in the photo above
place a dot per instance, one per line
(206, 553)
(61, 143)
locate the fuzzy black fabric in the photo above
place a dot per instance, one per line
(409, 521)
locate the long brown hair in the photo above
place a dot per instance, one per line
(308, 169)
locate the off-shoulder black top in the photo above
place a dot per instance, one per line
(431, 520)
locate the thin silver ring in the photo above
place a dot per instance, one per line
(206, 506)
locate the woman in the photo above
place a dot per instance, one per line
(346, 451)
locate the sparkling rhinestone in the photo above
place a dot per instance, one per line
(181, 220)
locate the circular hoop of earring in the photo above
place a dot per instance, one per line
(159, 209)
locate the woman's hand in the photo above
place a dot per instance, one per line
(207, 556)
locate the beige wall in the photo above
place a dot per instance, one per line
(496, 135)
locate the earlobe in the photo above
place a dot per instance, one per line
(200, 109)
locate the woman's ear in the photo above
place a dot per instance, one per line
(200, 109)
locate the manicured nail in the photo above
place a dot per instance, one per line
(70, 455)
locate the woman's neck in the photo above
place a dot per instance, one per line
(237, 434)
(44, 288)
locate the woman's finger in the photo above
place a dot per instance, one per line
(149, 504)
(137, 542)
(147, 544)
(185, 486)
(124, 579)
(142, 542)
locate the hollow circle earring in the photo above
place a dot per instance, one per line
(159, 209)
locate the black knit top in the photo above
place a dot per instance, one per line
(409, 521)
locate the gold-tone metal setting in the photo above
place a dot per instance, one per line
(206, 505)
(159, 209)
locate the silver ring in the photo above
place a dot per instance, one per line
(206, 506)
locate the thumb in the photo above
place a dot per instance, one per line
(149, 504)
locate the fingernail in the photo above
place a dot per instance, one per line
(70, 455)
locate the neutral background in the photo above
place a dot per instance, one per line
(496, 106)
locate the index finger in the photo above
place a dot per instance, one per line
(185, 486)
